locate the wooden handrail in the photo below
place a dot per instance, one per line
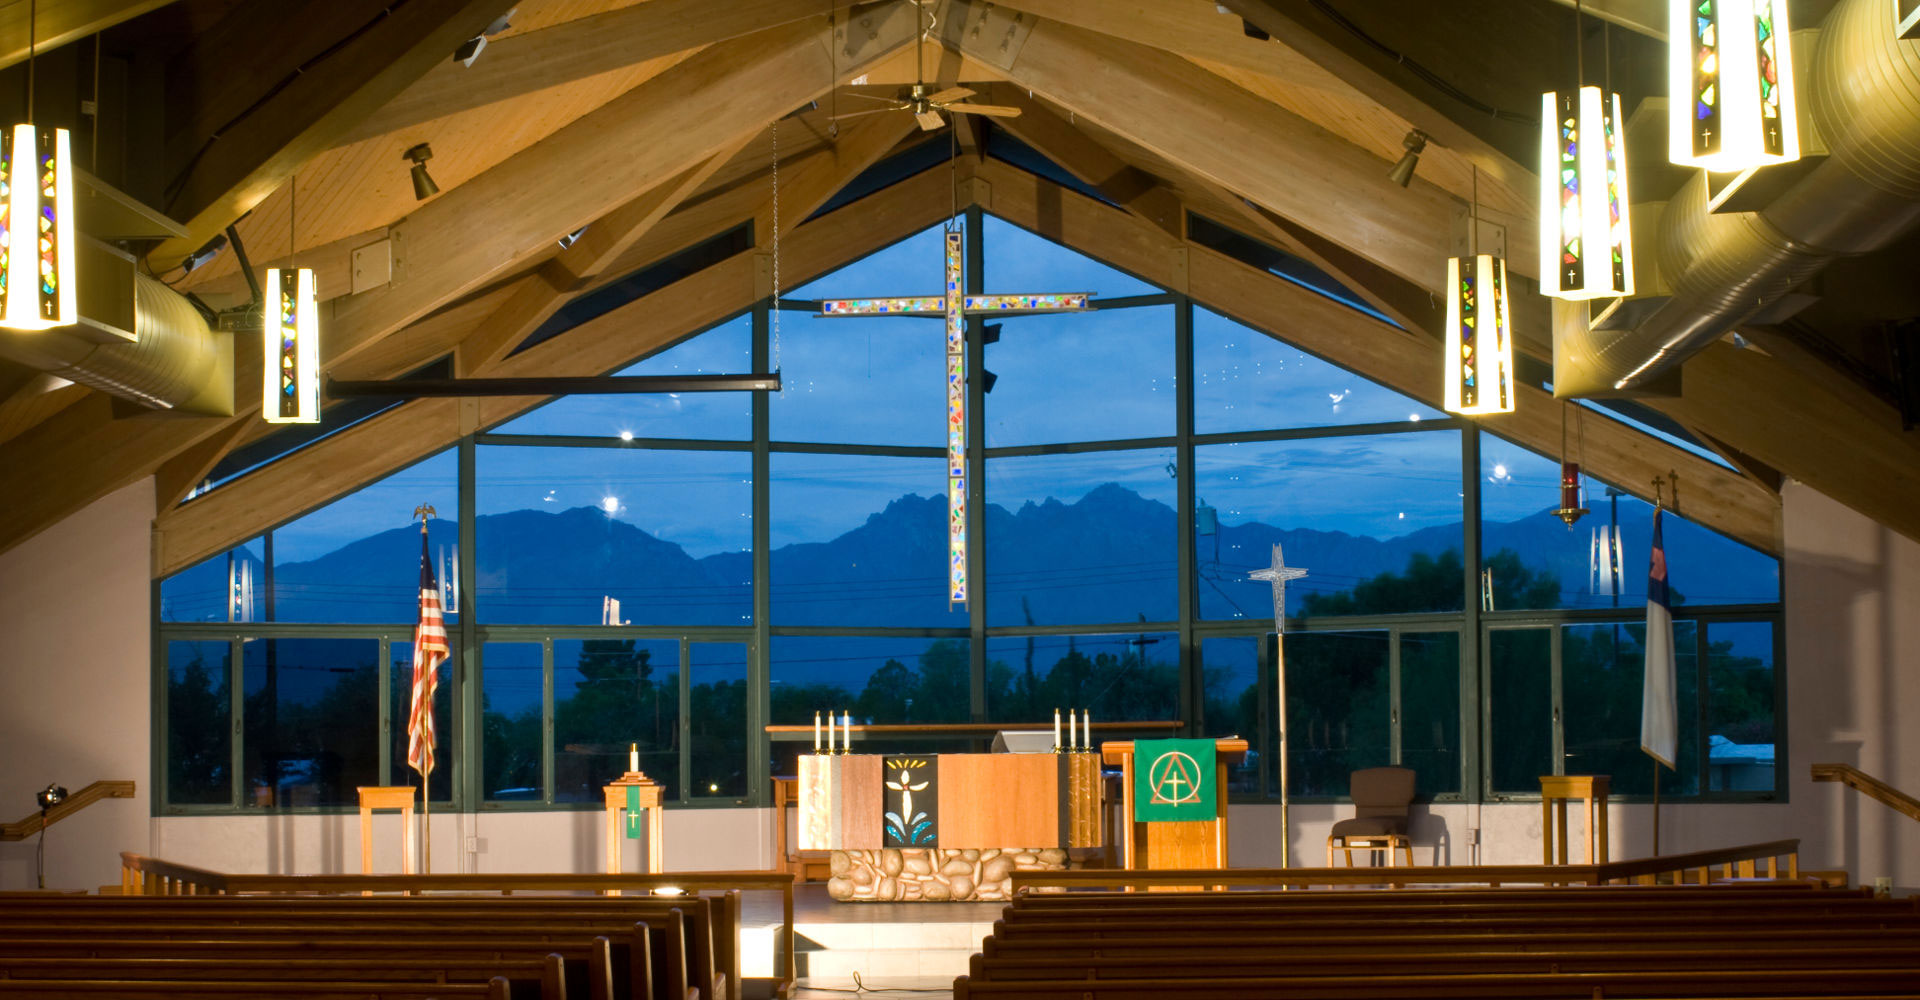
(74, 803)
(1731, 860)
(142, 875)
(1868, 785)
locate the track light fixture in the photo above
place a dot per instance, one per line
(1402, 172)
(423, 185)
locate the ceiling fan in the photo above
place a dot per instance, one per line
(926, 104)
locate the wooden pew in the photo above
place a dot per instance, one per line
(108, 989)
(683, 949)
(1622, 986)
(542, 977)
(1549, 940)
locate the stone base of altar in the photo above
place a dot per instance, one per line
(938, 874)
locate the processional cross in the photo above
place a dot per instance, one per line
(1278, 574)
(956, 306)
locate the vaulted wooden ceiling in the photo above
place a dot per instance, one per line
(650, 125)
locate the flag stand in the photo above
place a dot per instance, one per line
(1656, 805)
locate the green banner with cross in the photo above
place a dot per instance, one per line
(1173, 780)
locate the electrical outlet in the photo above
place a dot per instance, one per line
(1883, 886)
(1473, 836)
(475, 845)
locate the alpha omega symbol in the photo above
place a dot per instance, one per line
(1174, 778)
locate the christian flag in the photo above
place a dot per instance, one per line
(429, 651)
(1659, 718)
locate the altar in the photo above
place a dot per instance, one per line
(946, 826)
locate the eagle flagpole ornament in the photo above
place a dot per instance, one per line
(1278, 574)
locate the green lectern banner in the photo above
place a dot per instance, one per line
(1173, 780)
(633, 812)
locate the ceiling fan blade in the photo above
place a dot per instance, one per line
(857, 114)
(950, 95)
(990, 110)
(872, 97)
(929, 120)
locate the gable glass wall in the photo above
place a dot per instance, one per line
(678, 572)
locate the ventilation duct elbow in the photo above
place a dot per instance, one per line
(1861, 96)
(138, 340)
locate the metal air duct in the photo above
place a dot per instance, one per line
(1861, 94)
(138, 340)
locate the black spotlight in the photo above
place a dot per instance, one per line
(50, 796)
(423, 185)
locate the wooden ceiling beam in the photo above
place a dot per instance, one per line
(561, 276)
(1613, 451)
(360, 454)
(1193, 28)
(520, 64)
(1213, 129)
(1496, 167)
(253, 101)
(56, 24)
(472, 236)
(1076, 152)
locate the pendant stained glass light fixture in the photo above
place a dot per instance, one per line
(1479, 366)
(1731, 60)
(1586, 241)
(290, 388)
(36, 220)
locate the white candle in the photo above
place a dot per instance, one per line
(846, 719)
(830, 730)
(1071, 741)
(816, 732)
(633, 756)
(1056, 729)
(1086, 727)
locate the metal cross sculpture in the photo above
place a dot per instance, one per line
(1278, 574)
(956, 306)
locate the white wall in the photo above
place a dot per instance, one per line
(1853, 654)
(75, 645)
(75, 683)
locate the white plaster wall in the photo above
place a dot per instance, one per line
(75, 647)
(1853, 654)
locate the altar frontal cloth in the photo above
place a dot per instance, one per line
(1173, 781)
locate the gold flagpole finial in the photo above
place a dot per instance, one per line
(424, 512)
(1659, 482)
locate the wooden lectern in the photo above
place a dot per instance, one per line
(649, 804)
(386, 797)
(1194, 844)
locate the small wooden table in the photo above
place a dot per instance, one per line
(649, 803)
(1555, 790)
(386, 797)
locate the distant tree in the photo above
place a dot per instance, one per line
(199, 740)
(1433, 583)
(944, 692)
(887, 693)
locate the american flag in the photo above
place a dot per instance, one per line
(429, 651)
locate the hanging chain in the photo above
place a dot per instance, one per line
(33, 11)
(293, 241)
(776, 244)
(833, 73)
(1473, 214)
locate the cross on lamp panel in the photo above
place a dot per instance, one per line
(956, 306)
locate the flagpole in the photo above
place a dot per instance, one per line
(1656, 804)
(1280, 685)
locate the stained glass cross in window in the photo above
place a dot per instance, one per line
(956, 306)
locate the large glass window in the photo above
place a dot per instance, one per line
(1430, 709)
(1603, 671)
(617, 562)
(200, 723)
(1081, 538)
(609, 696)
(1538, 563)
(311, 734)
(1521, 709)
(565, 532)
(512, 700)
(1740, 707)
(1116, 677)
(860, 540)
(1338, 717)
(1375, 520)
(728, 416)
(1248, 381)
(357, 559)
(1097, 376)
